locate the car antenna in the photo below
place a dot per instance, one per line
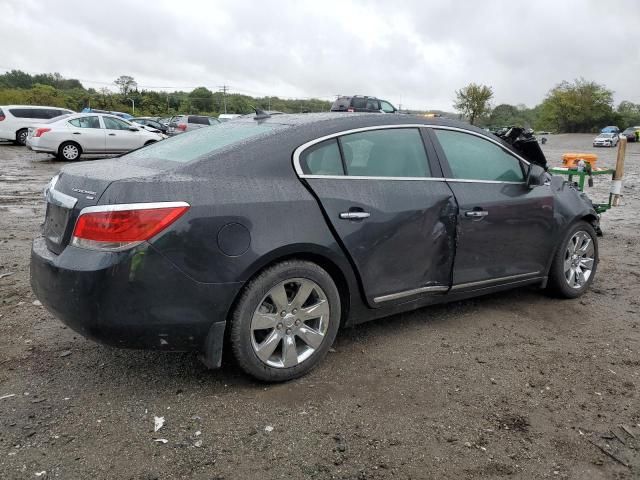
(260, 114)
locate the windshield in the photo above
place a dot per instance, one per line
(191, 145)
(607, 135)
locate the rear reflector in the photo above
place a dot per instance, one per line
(41, 131)
(350, 109)
(118, 227)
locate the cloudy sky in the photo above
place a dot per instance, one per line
(414, 52)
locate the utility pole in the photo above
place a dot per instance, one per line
(133, 106)
(224, 89)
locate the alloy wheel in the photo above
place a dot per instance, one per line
(290, 323)
(579, 259)
(22, 137)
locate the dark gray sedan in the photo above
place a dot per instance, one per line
(268, 234)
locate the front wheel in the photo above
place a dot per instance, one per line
(575, 263)
(285, 321)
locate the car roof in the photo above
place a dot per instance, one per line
(35, 106)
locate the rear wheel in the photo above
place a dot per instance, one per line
(21, 136)
(574, 265)
(285, 321)
(69, 151)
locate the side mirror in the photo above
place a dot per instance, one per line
(133, 129)
(535, 176)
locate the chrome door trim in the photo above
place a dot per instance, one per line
(298, 152)
(480, 283)
(415, 291)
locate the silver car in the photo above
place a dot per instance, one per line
(186, 123)
(70, 136)
(606, 140)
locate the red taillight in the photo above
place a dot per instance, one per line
(41, 131)
(182, 126)
(117, 227)
(351, 109)
(2, 117)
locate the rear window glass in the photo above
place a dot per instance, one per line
(199, 120)
(191, 145)
(341, 103)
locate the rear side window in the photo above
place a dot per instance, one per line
(474, 158)
(199, 142)
(25, 113)
(394, 152)
(85, 122)
(322, 159)
(372, 104)
(199, 120)
(359, 102)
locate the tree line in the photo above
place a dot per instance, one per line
(578, 106)
(569, 107)
(17, 87)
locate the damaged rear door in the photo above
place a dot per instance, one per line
(382, 192)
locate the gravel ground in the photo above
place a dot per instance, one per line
(514, 384)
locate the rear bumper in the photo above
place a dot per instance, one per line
(133, 299)
(37, 145)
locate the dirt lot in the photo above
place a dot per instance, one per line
(515, 384)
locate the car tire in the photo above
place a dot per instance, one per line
(292, 341)
(576, 253)
(21, 137)
(69, 151)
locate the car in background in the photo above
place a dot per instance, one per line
(360, 103)
(151, 122)
(15, 120)
(630, 133)
(186, 123)
(164, 120)
(606, 140)
(126, 116)
(611, 129)
(71, 136)
(194, 245)
(225, 117)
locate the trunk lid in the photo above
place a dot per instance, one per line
(77, 187)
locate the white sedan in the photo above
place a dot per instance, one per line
(70, 136)
(606, 140)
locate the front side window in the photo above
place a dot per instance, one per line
(111, 123)
(386, 107)
(322, 159)
(393, 152)
(474, 158)
(85, 122)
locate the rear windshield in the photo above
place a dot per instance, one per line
(197, 143)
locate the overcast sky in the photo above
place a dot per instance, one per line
(414, 53)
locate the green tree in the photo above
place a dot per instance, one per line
(629, 114)
(201, 99)
(125, 83)
(580, 106)
(473, 100)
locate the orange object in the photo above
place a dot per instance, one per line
(571, 159)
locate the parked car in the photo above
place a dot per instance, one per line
(630, 133)
(225, 117)
(359, 103)
(606, 140)
(186, 123)
(610, 129)
(124, 115)
(151, 122)
(71, 136)
(15, 120)
(275, 232)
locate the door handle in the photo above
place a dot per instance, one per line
(354, 215)
(112, 134)
(476, 213)
(76, 133)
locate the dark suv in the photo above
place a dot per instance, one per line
(359, 103)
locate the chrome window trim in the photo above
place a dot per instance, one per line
(480, 283)
(131, 206)
(407, 293)
(299, 150)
